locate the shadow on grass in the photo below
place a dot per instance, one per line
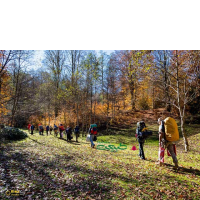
(48, 177)
(181, 170)
(35, 141)
(44, 183)
(70, 142)
(4, 141)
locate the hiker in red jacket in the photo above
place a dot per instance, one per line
(29, 126)
(61, 129)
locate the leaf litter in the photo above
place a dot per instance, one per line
(54, 169)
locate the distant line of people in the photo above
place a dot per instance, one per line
(57, 129)
(68, 131)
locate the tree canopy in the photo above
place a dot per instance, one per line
(81, 87)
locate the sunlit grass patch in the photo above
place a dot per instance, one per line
(55, 168)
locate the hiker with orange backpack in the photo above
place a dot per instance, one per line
(168, 133)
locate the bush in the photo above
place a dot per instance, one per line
(1, 126)
(143, 103)
(9, 133)
(193, 119)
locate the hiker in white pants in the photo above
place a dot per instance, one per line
(163, 144)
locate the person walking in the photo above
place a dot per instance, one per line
(93, 132)
(141, 147)
(163, 144)
(41, 129)
(76, 131)
(50, 129)
(55, 128)
(61, 129)
(69, 133)
(32, 129)
(47, 129)
(140, 137)
(29, 126)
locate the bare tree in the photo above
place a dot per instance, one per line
(74, 60)
(19, 79)
(162, 64)
(55, 61)
(183, 78)
(6, 57)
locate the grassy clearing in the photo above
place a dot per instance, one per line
(48, 167)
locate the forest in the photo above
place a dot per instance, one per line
(77, 87)
(113, 91)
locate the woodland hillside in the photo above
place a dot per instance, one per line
(115, 91)
(76, 87)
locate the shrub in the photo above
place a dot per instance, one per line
(9, 133)
(1, 126)
(143, 103)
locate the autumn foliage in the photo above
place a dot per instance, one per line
(76, 87)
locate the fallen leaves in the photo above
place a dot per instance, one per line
(54, 169)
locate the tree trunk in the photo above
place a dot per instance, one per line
(16, 97)
(181, 110)
(83, 123)
(56, 111)
(132, 87)
(65, 118)
(114, 108)
(132, 100)
(107, 110)
(102, 83)
(91, 105)
(77, 121)
(153, 98)
(184, 135)
(95, 103)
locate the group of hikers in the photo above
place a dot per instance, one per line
(168, 134)
(61, 129)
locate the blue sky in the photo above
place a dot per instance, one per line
(39, 56)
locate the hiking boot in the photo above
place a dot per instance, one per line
(175, 167)
(160, 163)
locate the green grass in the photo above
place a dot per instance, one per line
(46, 166)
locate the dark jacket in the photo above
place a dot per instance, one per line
(69, 130)
(76, 130)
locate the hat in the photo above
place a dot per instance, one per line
(159, 120)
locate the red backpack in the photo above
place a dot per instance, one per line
(93, 131)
